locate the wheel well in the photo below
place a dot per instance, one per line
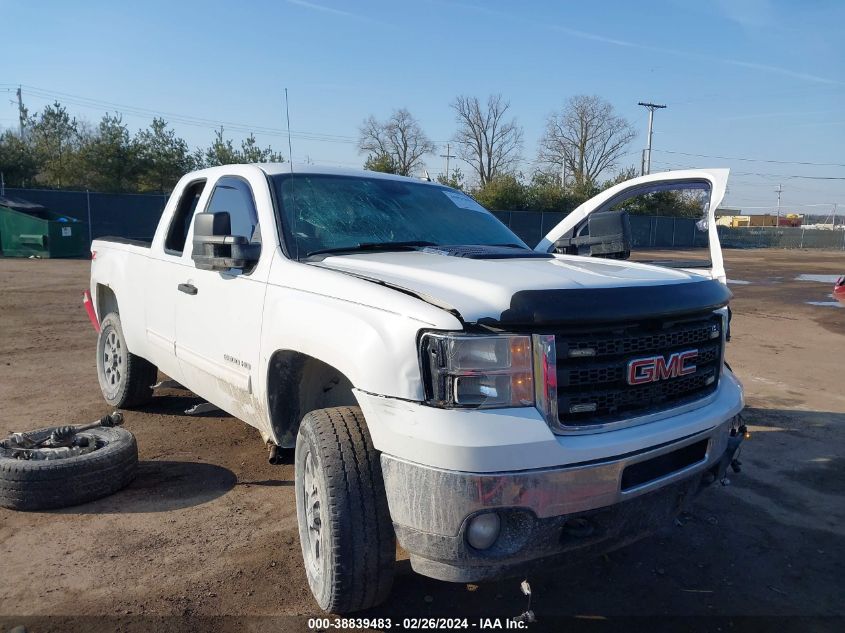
(106, 301)
(297, 384)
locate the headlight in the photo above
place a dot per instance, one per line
(466, 370)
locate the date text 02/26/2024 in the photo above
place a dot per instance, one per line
(416, 624)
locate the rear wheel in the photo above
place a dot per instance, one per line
(348, 544)
(126, 380)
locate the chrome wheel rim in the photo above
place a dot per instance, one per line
(113, 357)
(313, 516)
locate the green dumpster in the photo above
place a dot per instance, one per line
(28, 229)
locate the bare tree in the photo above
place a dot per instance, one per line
(486, 141)
(399, 141)
(585, 138)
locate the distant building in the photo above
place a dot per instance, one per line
(762, 219)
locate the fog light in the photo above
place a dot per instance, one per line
(483, 530)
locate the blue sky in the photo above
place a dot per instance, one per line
(758, 79)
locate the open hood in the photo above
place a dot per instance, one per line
(716, 179)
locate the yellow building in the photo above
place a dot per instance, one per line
(733, 221)
(763, 219)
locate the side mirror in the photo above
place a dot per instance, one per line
(607, 234)
(216, 249)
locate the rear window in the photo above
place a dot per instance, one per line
(177, 233)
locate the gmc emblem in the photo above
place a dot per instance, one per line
(654, 368)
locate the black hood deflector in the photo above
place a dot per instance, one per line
(581, 306)
(483, 251)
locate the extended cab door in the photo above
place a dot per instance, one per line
(164, 267)
(685, 194)
(218, 313)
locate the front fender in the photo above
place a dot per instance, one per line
(364, 330)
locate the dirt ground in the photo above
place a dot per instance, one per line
(208, 528)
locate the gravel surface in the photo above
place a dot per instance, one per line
(208, 528)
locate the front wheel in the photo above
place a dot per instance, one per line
(126, 380)
(348, 544)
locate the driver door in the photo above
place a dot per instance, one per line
(635, 191)
(218, 313)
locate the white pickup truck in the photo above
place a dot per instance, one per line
(492, 407)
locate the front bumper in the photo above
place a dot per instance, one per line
(549, 515)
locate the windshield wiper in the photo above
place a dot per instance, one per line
(372, 246)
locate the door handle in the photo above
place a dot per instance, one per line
(188, 289)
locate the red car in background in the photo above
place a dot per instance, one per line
(839, 290)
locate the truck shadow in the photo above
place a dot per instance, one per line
(162, 486)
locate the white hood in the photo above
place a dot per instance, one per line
(479, 288)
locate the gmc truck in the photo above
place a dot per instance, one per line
(492, 407)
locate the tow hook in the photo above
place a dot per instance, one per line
(739, 432)
(730, 458)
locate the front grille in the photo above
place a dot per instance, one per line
(592, 368)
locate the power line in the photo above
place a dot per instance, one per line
(99, 104)
(760, 174)
(753, 160)
(797, 204)
(147, 111)
(103, 105)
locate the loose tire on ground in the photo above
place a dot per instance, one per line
(347, 538)
(125, 379)
(57, 483)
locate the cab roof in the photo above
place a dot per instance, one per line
(276, 169)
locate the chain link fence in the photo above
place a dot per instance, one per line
(781, 237)
(132, 215)
(136, 216)
(665, 232)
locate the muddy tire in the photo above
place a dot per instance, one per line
(347, 539)
(125, 379)
(56, 483)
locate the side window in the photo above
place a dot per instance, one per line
(234, 196)
(669, 224)
(174, 243)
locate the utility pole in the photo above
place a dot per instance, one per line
(778, 190)
(447, 156)
(21, 111)
(646, 162)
